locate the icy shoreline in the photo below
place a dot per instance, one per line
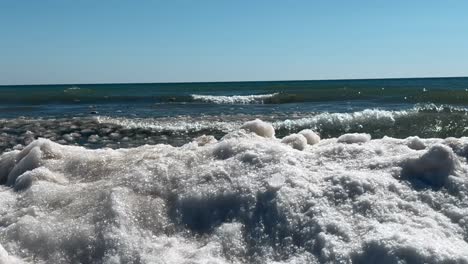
(248, 197)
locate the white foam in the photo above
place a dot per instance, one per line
(181, 124)
(244, 198)
(233, 99)
(331, 121)
(71, 89)
(323, 121)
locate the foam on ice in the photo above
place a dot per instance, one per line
(248, 197)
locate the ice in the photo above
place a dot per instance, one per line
(296, 141)
(7, 163)
(434, 166)
(260, 128)
(204, 140)
(354, 138)
(276, 182)
(246, 198)
(415, 143)
(311, 136)
(6, 259)
(25, 180)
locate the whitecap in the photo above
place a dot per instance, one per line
(233, 99)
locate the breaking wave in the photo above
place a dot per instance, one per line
(427, 121)
(233, 99)
(423, 120)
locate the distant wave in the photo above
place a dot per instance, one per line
(73, 88)
(234, 99)
(93, 95)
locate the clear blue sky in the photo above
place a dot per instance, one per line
(95, 41)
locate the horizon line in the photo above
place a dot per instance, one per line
(245, 81)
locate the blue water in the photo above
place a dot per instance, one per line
(128, 115)
(173, 99)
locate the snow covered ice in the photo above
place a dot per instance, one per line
(247, 198)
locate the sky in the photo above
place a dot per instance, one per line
(89, 41)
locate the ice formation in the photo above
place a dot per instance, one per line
(247, 198)
(415, 143)
(260, 128)
(296, 141)
(311, 136)
(354, 138)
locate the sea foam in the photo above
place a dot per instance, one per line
(233, 99)
(243, 198)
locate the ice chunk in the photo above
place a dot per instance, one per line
(296, 141)
(7, 162)
(276, 182)
(68, 137)
(354, 138)
(30, 161)
(415, 143)
(433, 167)
(205, 140)
(25, 180)
(93, 138)
(260, 128)
(224, 150)
(7, 259)
(311, 136)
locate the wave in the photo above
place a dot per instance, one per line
(233, 99)
(106, 94)
(422, 120)
(318, 121)
(71, 89)
(174, 125)
(427, 121)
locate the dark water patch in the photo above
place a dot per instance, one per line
(417, 90)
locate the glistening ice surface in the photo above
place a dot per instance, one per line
(248, 197)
